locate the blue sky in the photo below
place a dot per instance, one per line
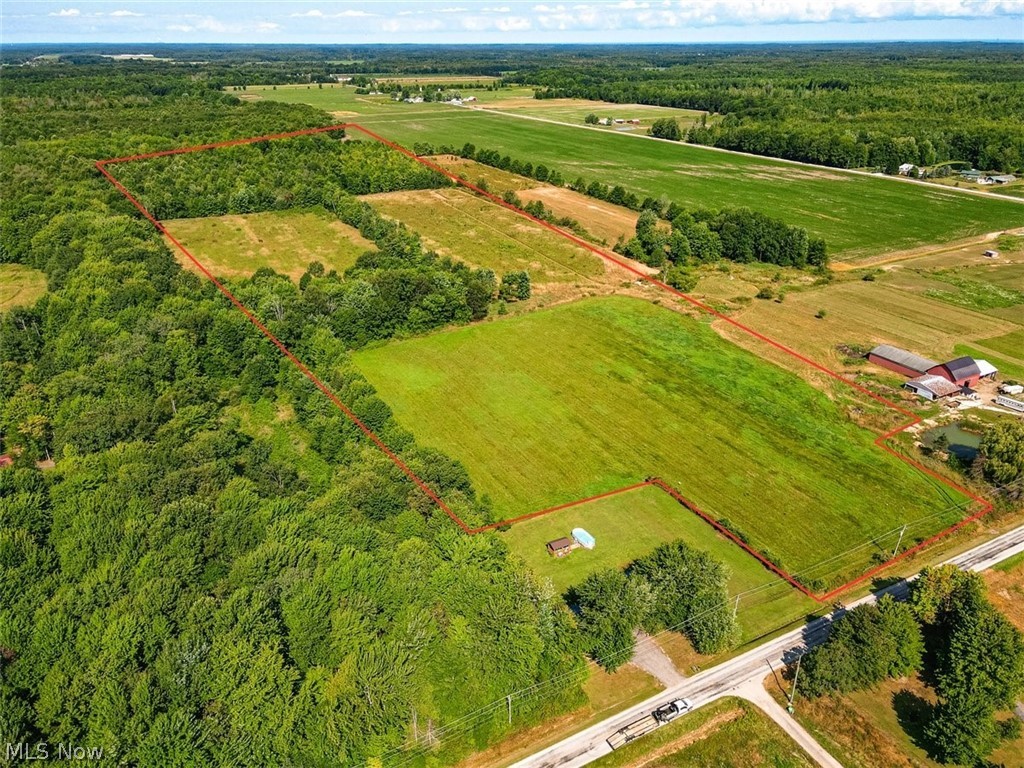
(508, 21)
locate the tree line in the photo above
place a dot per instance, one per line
(843, 106)
(970, 653)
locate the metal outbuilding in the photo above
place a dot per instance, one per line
(900, 360)
(932, 387)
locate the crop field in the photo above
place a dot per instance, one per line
(844, 208)
(457, 223)
(20, 286)
(285, 241)
(557, 405)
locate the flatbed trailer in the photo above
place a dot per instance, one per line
(634, 730)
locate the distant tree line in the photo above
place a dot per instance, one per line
(969, 652)
(848, 107)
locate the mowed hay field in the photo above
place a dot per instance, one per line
(863, 313)
(630, 525)
(560, 404)
(20, 286)
(576, 110)
(459, 224)
(859, 215)
(285, 241)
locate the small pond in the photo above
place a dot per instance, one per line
(961, 443)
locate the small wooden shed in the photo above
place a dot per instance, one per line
(560, 547)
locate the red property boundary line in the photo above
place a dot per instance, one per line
(881, 441)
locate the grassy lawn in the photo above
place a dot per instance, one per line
(552, 406)
(286, 241)
(729, 733)
(631, 525)
(469, 228)
(20, 286)
(843, 208)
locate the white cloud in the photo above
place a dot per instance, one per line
(450, 10)
(498, 9)
(66, 12)
(180, 28)
(123, 14)
(346, 14)
(513, 24)
(267, 26)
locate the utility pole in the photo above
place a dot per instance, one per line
(895, 551)
(509, 700)
(736, 608)
(796, 676)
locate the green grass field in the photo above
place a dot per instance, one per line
(859, 215)
(846, 209)
(459, 224)
(20, 286)
(286, 241)
(632, 524)
(729, 733)
(556, 405)
(1010, 344)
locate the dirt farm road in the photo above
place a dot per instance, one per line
(734, 677)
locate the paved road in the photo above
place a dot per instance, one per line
(752, 666)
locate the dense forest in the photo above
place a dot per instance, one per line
(175, 586)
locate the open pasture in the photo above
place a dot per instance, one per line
(859, 215)
(498, 181)
(20, 286)
(576, 110)
(285, 241)
(553, 406)
(864, 313)
(459, 224)
(605, 221)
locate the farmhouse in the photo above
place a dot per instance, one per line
(964, 371)
(1003, 179)
(931, 387)
(561, 547)
(906, 168)
(900, 361)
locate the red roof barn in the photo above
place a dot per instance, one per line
(963, 371)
